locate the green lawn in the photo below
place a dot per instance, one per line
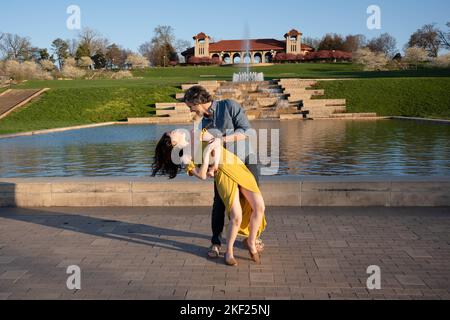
(79, 106)
(424, 92)
(424, 97)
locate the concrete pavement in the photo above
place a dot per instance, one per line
(159, 253)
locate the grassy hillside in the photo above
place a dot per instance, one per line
(77, 106)
(424, 97)
(423, 93)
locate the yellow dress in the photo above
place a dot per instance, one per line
(232, 175)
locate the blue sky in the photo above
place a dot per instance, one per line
(130, 23)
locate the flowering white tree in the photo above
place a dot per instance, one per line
(71, 72)
(416, 55)
(442, 61)
(137, 61)
(47, 65)
(29, 70)
(370, 60)
(85, 62)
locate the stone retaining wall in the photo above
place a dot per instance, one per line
(278, 191)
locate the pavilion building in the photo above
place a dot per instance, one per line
(253, 51)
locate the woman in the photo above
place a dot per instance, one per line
(236, 185)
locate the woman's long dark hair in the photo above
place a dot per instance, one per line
(163, 164)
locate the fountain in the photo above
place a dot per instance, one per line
(248, 76)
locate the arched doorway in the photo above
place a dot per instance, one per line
(247, 58)
(216, 59)
(236, 58)
(226, 58)
(257, 58)
(268, 57)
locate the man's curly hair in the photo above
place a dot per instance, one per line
(197, 95)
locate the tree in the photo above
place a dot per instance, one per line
(371, 61)
(415, 55)
(72, 47)
(160, 51)
(99, 60)
(85, 62)
(354, 42)
(180, 46)
(92, 40)
(385, 43)
(442, 61)
(332, 42)
(60, 49)
(47, 65)
(312, 42)
(83, 51)
(15, 47)
(427, 38)
(113, 56)
(444, 37)
(137, 61)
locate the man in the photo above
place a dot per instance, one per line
(228, 118)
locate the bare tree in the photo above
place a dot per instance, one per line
(15, 47)
(93, 40)
(312, 42)
(427, 38)
(354, 42)
(181, 46)
(445, 38)
(385, 43)
(72, 46)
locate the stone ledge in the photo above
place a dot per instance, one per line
(184, 191)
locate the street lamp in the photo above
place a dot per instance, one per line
(164, 61)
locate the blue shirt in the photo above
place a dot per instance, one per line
(227, 118)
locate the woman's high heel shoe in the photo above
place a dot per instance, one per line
(230, 262)
(256, 257)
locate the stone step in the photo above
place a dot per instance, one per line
(293, 92)
(267, 102)
(173, 112)
(299, 97)
(354, 115)
(171, 105)
(324, 103)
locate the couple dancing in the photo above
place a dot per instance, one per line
(236, 180)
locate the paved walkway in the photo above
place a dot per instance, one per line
(158, 253)
(13, 98)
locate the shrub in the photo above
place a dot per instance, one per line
(71, 72)
(28, 70)
(415, 55)
(85, 62)
(47, 65)
(441, 61)
(137, 61)
(370, 60)
(121, 75)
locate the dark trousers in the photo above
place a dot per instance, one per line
(218, 213)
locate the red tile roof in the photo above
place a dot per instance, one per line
(240, 45)
(201, 36)
(293, 32)
(254, 45)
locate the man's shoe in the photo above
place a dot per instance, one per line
(214, 252)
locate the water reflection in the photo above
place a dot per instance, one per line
(326, 148)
